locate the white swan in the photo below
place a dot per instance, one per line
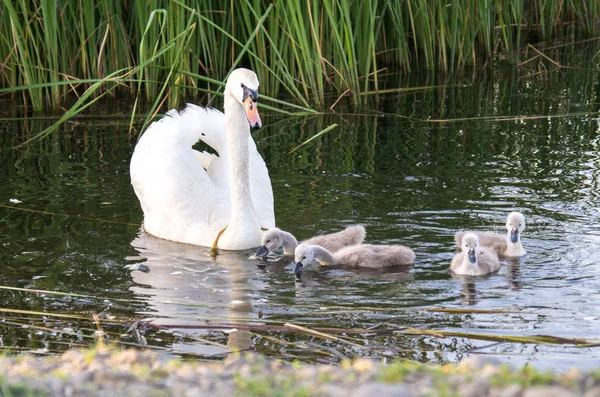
(474, 260)
(275, 238)
(362, 255)
(507, 245)
(191, 196)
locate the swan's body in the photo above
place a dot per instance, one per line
(191, 196)
(275, 238)
(507, 245)
(474, 260)
(363, 255)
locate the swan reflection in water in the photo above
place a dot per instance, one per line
(186, 286)
(469, 292)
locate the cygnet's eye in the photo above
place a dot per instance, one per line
(304, 257)
(519, 225)
(268, 241)
(242, 85)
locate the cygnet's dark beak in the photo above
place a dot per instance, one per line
(472, 256)
(262, 251)
(514, 235)
(298, 268)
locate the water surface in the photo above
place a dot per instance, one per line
(70, 222)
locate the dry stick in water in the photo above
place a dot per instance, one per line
(259, 327)
(319, 334)
(544, 55)
(540, 339)
(296, 345)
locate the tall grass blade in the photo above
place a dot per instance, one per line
(326, 130)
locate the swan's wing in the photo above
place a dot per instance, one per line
(201, 124)
(206, 125)
(378, 256)
(260, 187)
(178, 197)
(488, 260)
(495, 241)
(205, 158)
(333, 242)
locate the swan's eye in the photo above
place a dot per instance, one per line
(303, 258)
(242, 85)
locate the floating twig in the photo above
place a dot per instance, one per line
(256, 327)
(537, 339)
(12, 207)
(319, 334)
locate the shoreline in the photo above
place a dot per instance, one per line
(101, 372)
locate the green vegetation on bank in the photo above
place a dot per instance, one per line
(167, 50)
(148, 373)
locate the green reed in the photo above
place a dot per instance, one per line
(313, 52)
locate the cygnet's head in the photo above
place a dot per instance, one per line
(515, 224)
(304, 255)
(243, 85)
(271, 240)
(470, 244)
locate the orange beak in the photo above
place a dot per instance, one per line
(252, 113)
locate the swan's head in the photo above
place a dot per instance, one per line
(304, 255)
(470, 244)
(242, 84)
(271, 240)
(515, 224)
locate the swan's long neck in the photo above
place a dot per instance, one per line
(514, 249)
(288, 242)
(243, 220)
(323, 256)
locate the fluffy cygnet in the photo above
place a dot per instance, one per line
(506, 245)
(474, 260)
(275, 238)
(362, 255)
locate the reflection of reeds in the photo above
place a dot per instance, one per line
(307, 50)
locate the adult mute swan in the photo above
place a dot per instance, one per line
(474, 260)
(507, 245)
(275, 238)
(194, 197)
(362, 255)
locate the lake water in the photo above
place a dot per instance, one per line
(430, 162)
